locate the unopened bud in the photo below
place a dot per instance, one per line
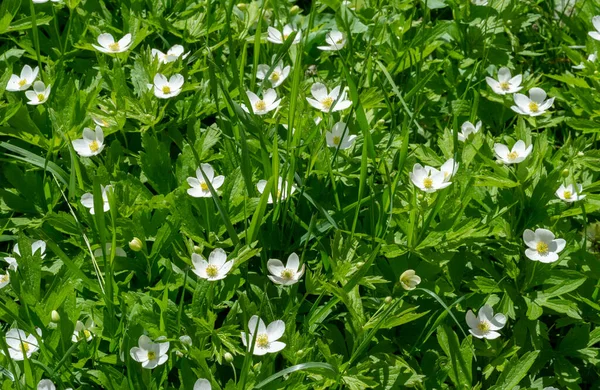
(565, 173)
(420, 196)
(388, 300)
(55, 316)
(135, 244)
(228, 357)
(295, 10)
(197, 249)
(300, 352)
(360, 264)
(580, 154)
(381, 122)
(186, 340)
(242, 6)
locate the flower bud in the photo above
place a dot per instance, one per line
(420, 196)
(186, 340)
(580, 154)
(242, 6)
(135, 244)
(565, 173)
(300, 352)
(197, 249)
(381, 122)
(388, 300)
(228, 357)
(360, 264)
(295, 10)
(55, 316)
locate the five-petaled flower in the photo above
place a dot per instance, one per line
(339, 136)
(199, 186)
(216, 268)
(486, 324)
(36, 246)
(279, 37)
(542, 246)
(91, 144)
(534, 105)
(505, 83)
(165, 89)
(171, 55)
(328, 101)
(282, 191)
(20, 344)
(110, 46)
(518, 153)
(262, 106)
(24, 81)
(83, 331)
(276, 77)
(409, 280)
(467, 129)
(569, 194)
(264, 337)
(150, 354)
(88, 199)
(39, 95)
(335, 41)
(287, 274)
(429, 179)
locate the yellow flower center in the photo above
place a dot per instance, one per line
(114, 46)
(484, 326)
(41, 96)
(260, 105)
(212, 271)
(405, 281)
(22, 82)
(275, 76)
(287, 274)
(4, 278)
(327, 102)
(262, 340)
(94, 146)
(504, 85)
(427, 182)
(512, 156)
(25, 347)
(151, 355)
(534, 107)
(166, 89)
(204, 186)
(285, 36)
(336, 140)
(542, 247)
(567, 194)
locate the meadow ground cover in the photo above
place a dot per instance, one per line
(316, 195)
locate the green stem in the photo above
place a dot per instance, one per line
(36, 41)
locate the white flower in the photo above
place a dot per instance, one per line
(276, 77)
(568, 193)
(119, 252)
(23, 82)
(338, 137)
(265, 338)
(327, 102)
(46, 384)
(596, 23)
(100, 121)
(428, 179)
(108, 44)
(534, 105)
(199, 186)
(409, 279)
(172, 54)
(591, 58)
(285, 274)
(449, 168)
(518, 153)
(202, 384)
(262, 106)
(91, 144)
(505, 83)
(83, 331)
(39, 95)
(485, 325)
(35, 246)
(216, 268)
(335, 41)
(467, 129)
(164, 88)
(282, 189)
(550, 388)
(279, 37)
(542, 245)
(150, 354)
(88, 199)
(20, 344)
(4, 280)
(480, 2)
(44, 1)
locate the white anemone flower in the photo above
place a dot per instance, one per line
(569, 194)
(83, 331)
(171, 55)
(335, 41)
(486, 324)
(88, 199)
(409, 280)
(534, 105)
(276, 77)
(216, 268)
(39, 95)
(328, 101)
(165, 89)
(287, 274)
(46, 384)
(467, 129)
(428, 179)
(543, 247)
(119, 252)
(38, 245)
(480, 2)
(550, 388)
(24, 81)
(110, 46)
(591, 58)
(42, 2)
(279, 37)
(91, 144)
(338, 137)
(265, 338)
(518, 153)
(262, 106)
(596, 23)
(449, 169)
(150, 354)
(282, 189)
(202, 384)
(199, 187)
(20, 344)
(4, 280)
(505, 83)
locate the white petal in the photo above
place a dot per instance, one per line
(275, 330)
